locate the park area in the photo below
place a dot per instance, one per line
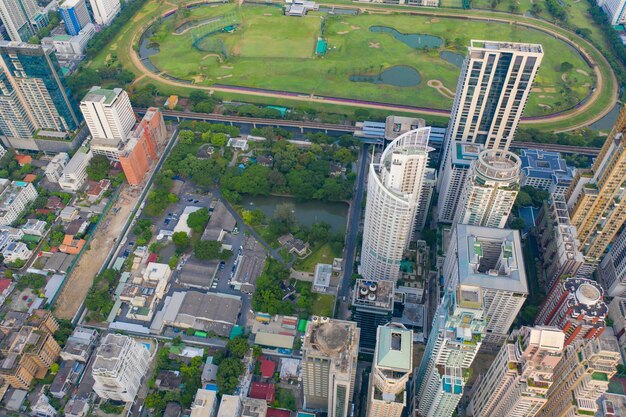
(415, 59)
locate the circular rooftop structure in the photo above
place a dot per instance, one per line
(588, 294)
(499, 165)
(331, 337)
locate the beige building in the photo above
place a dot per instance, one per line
(27, 346)
(518, 380)
(393, 364)
(329, 362)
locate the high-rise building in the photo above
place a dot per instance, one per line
(492, 260)
(19, 17)
(615, 11)
(595, 199)
(581, 377)
(559, 247)
(495, 81)
(455, 338)
(394, 190)
(329, 361)
(490, 189)
(75, 16)
(612, 269)
(577, 307)
(110, 119)
(518, 379)
(120, 365)
(27, 346)
(423, 206)
(104, 11)
(372, 306)
(545, 170)
(454, 171)
(32, 80)
(393, 359)
(138, 153)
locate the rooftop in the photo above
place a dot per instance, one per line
(490, 258)
(395, 347)
(586, 299)
(374, 294)
(506, 46)
(217, 307)
(333, 339)
(102, 95)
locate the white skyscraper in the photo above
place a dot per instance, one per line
(615, 10)
(394, 191)
(104, 11)
(18, 17)
(490, 189)
(329, 360)
(393, 359)
(518, 380)
(492, 260)
(492, 91)
(455, 338)
(120, 365)
(110, 119)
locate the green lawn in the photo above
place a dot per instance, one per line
(273, 51)
(323, 304)
(322, 255)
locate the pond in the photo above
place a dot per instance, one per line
(399, 76)
(454, 58)
(414, 40)
(607, 122)
(306, 213)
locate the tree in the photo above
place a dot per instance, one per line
(219, 139)
(207, 250)
(429, 236)
(98, 168)
(198, 220)
(181, 241)
(518, 223)
(54, 368)
(196, 96)
(566, 66)
(523, 199)
(186, 136)
(252, 217)
(228, 373)
(238, 347)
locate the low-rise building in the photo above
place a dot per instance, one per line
(238, 143)
(14, 199)
(66, 377)
(120, 365)
(321, 280)
(34, 227)
(230, 405)
(205, 312)
(70, 50)
(144, 291)
(54, 169)
(545, 170)
(71, 245)
(74, 174)
(42, 407)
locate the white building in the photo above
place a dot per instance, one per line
(518, 379)
(34, 227)
(612, 269)
(74, 174)
(495, 81)
(104, 11)
(54, 169)
(71, 49)
(490, 189)
(120, 365)
(615, 11)
(204, 404)
(492, 260)
(14, 199)
(11, 247)
(329, 362)
(394, 190)
(110, 119)
(393, 364)
(423, 206)
(455, 338)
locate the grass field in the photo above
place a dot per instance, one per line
(277, 52)
(324, 254)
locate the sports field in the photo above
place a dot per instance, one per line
(273, 51)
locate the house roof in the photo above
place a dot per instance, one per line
(4, 284)
(30, 177)
(262, 391)
(268, 367)
(395, 348)
(23, 159)
(275, 412)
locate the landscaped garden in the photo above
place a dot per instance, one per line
(416, 58)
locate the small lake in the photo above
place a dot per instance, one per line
(454, 58)
(607, 122)
(414, 40)
(306, 213)
(398, 76)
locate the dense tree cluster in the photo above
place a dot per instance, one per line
(230, 366)
(268, 295)
(585, 138)
(198, 220)
(98, 168)
(99, 301)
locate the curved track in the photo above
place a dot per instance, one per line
(573, 40)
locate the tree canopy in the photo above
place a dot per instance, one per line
(198, 220)
(98, 168)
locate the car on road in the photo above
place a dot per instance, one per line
(131, 243)
(189, 200)
(222, 266)
(167, 221)
(196, 201)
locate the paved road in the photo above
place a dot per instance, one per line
(354, 221)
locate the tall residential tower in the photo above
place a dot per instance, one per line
(492, 92)
(394, 191)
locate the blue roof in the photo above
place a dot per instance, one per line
(537, 163)
(367, 123)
